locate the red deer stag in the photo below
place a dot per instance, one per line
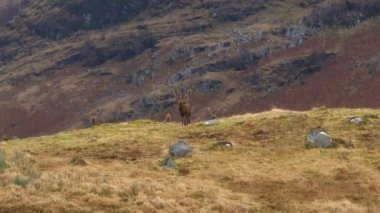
(94, 119)
(5, 135)
(184, 106)
(212, 113)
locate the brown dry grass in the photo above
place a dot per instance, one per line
(268, 170)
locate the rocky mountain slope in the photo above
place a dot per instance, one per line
(62, 62)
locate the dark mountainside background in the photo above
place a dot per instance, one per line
(64, 61)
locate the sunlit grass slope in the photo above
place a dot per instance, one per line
(269, 169)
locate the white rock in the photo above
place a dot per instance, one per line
(211, 122)
(357, 120)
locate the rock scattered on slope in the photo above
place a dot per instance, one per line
(211, 122)
(78, 162)
(180, 149)
(319, 139)
(209, 85)
(168, 163)
(224, 144)
(357, 120)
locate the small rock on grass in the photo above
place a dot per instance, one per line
(168, 163)
(211, 123)
(78, 162)
(319, 139)
(225, 144)
(357, 120)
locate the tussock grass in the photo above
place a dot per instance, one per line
(269, 169)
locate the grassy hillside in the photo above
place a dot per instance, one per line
(269, 169)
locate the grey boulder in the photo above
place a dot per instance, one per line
(180, 149)
(319, 139)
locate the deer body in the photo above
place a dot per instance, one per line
(94, 122)
(185, 112)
